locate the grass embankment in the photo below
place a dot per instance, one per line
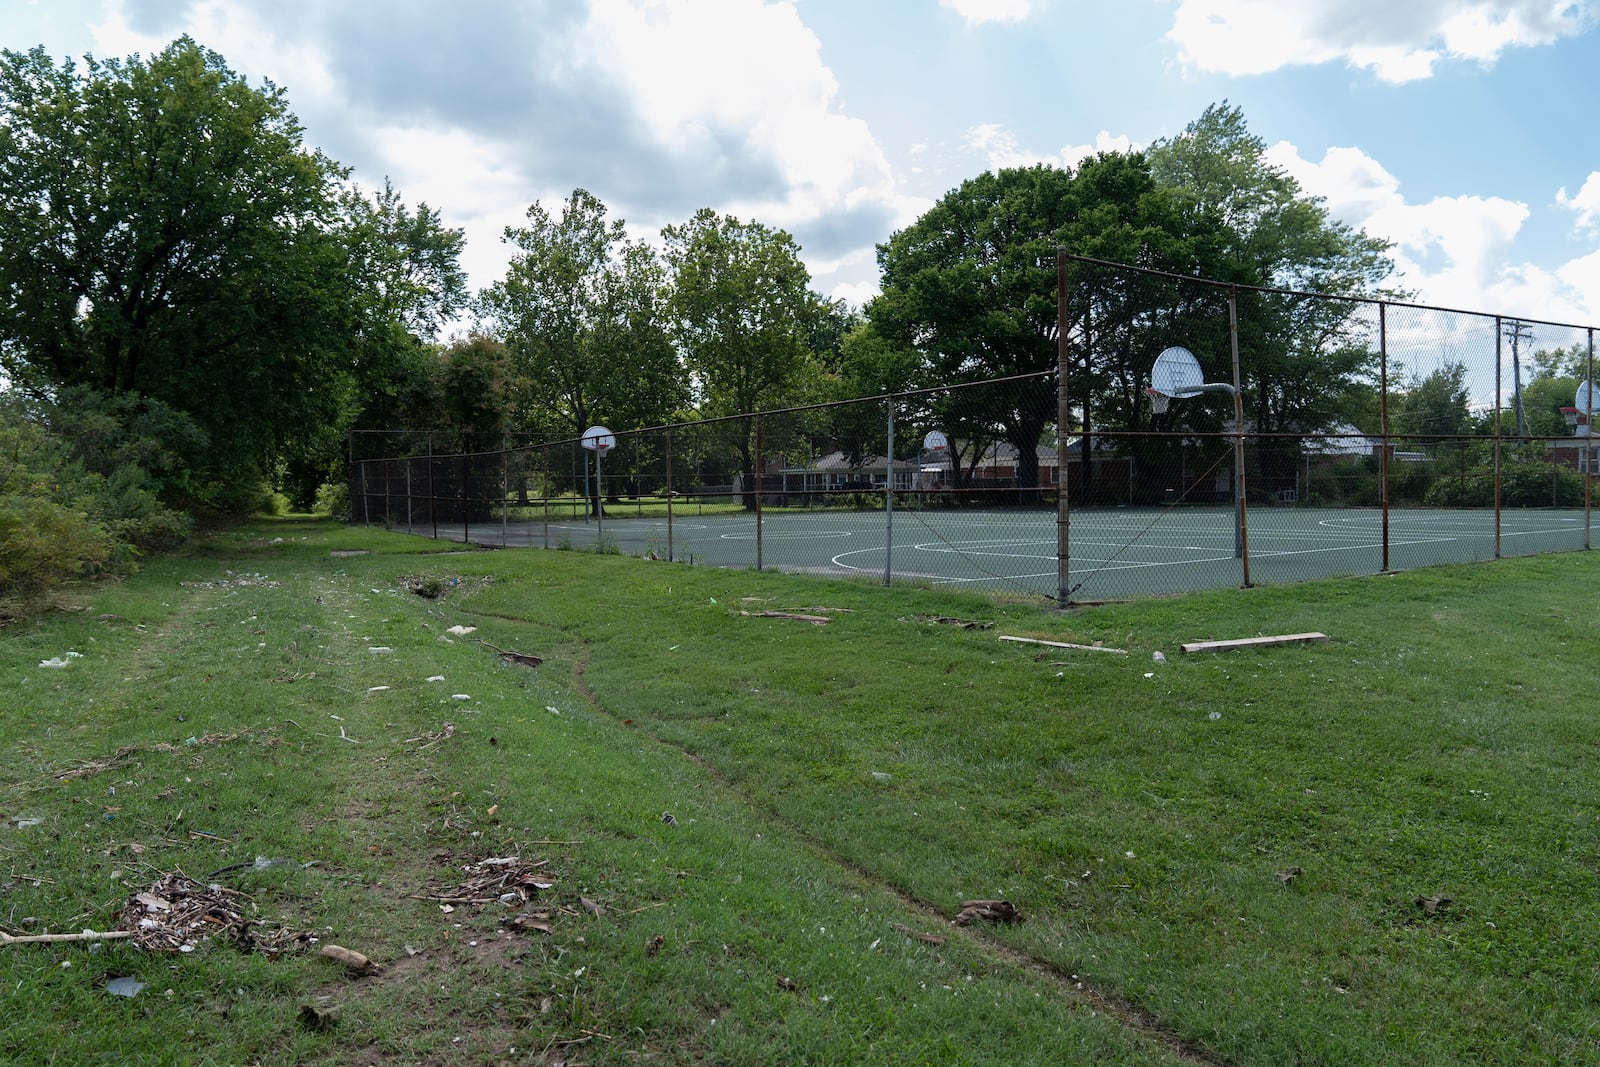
(1381, 849)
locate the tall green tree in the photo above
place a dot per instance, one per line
(165, 231)
(583, 311)
(1302, 357)
(744, 318)
(1437, 404)
(971, 287)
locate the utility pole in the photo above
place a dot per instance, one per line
(1517, 332)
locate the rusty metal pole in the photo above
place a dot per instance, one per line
(1587, 416)
(1242, 528)
(433, 501)
(1063, 451)
(667, 438)
(1498, 374)
(758, 492)
(1383, 417)
(888, 502)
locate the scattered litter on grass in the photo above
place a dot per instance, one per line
(815, 620)
(668, 818)
(1215, 716)
(882, 776)
(318, 1017)
(435, 677)
(124, 987)
(177, 913)
(22, 822)
(240, 580)
(552, 710)
(460, 696)
(1000, 911)
(1149, 674)
(346, 553)
(788, 984)
(430, 740)
(57, 662)
(538, 921)
(1158, 657)
(1433, 905)
(377, 688)
(591, 907)
(380, 650)
(946, 620)
(918, 935)
(461, 631)
(652, 946)
(1288, 874)
(490, 881)
(89, 768)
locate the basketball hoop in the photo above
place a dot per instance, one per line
(1158, 401)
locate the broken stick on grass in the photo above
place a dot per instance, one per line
(40, 939)
(815, 620)
(1063, 644)
(1255, 642)
(932, 939)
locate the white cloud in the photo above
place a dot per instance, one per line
(1104, 141)
(1000, 148)
(659, 107)
(1585, 205)
(693, 78)
(1453, 251)
(1398, 42)
(978, 12)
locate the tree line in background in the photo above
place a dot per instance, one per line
(196, 308)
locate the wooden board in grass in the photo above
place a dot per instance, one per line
(1255, 642)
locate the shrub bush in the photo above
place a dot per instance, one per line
(333, 500)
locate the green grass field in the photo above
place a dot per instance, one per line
(1381, 849)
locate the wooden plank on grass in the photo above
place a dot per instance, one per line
(1063, 644)
(1255, 642)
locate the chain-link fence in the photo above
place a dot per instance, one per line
(1333, 436)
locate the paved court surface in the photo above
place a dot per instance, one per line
(1113, 552)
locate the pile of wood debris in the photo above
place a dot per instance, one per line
(177, 913)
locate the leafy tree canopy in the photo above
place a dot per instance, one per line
(166, 233)
(583, 312)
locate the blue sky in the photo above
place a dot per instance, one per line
(1464, 132)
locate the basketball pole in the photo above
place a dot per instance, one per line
(1063, 452)
(1241, 529)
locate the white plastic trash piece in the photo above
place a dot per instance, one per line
(1214, 716)
(59, 661)
(1159, 658)
(376, 688)
(380, 650)
(1149, 674)
(552, 710)
(436, 678)
(460, 696)
(461, 631)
